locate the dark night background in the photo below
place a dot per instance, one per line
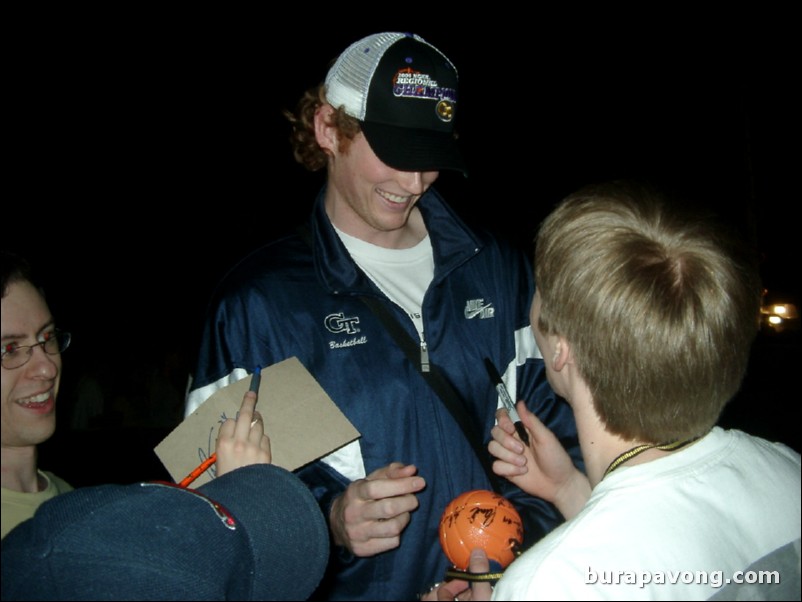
(150, 154)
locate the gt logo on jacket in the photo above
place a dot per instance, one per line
(338, 323)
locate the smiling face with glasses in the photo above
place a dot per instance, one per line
(53, 342)
(31, 368)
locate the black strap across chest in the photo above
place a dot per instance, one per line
(445, 391)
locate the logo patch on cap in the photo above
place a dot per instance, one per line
(445, 110)
(220, 511)
(409, 83)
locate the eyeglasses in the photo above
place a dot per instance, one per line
(16, 356)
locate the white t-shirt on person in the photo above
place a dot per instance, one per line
(696, 517)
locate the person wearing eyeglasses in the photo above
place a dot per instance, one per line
(31, 371)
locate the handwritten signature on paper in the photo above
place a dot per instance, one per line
(203, 454)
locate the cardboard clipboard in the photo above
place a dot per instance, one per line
(302, 421)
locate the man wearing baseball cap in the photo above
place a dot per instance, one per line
(382, 243)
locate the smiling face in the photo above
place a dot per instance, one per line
(365, 197)
(29, 392)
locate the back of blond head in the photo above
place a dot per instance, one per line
(660, 306)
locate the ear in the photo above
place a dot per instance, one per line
(562, 354)
(325, 133)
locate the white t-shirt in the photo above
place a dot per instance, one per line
(401, 274)
(696, 517)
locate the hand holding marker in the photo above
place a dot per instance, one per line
(256, 380)
(507, 401)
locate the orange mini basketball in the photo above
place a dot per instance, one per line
(481, 519)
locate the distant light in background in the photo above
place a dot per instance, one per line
(780, 316)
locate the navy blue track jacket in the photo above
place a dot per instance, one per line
(289, 299)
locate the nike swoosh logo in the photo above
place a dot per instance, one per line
(469, 314)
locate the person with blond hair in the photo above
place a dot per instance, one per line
(645, 312)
